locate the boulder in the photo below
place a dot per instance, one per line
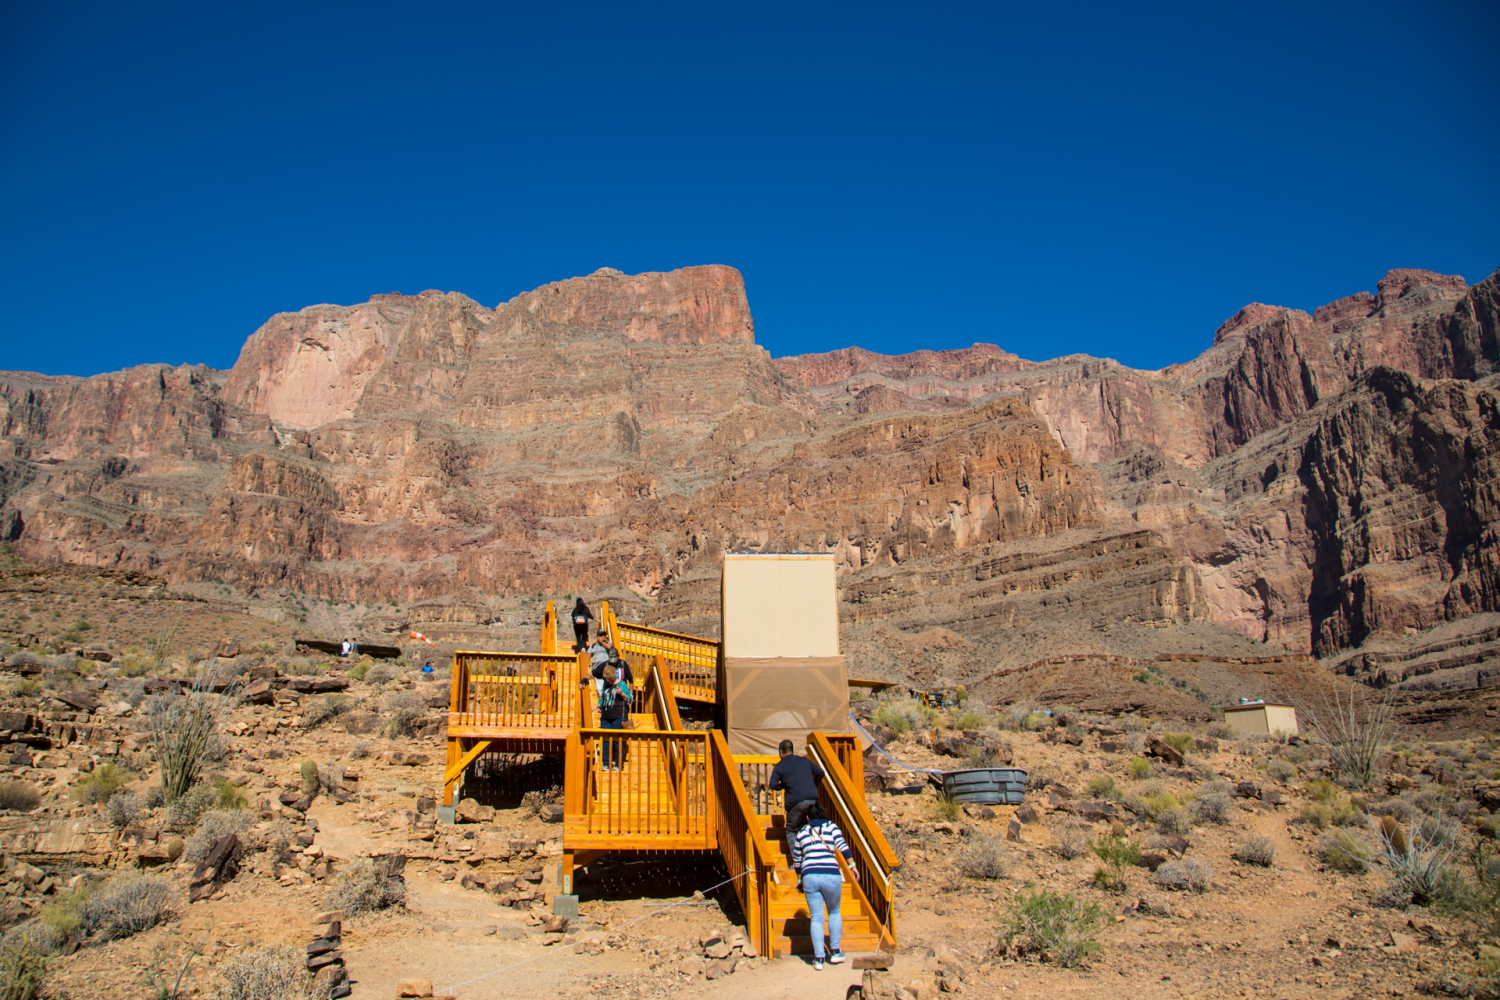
(414, 987)
(1160, 749)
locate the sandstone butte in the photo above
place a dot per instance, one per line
(1309, 484)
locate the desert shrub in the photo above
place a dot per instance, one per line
(1402, 809)
(231, 796)
(126, 905)
(1178, 741)
(945, 808)
(1071, 840)
(1213, 807)
(124, 808)
(189, 808)
(186, 731)
(216, 823)
(983, 857)
(1422, 870)
(23, 972)
(969, 719)
(989, 755)
(1256, 850)
(1117, 853)
(20, 796)
(1280, 770)
(1347, 815)
(359, 671)
(905, 715)
(402, 714)
(331, 706)
(1055, 927)
(534, 801)
(1316, 815)
(364, 886)
(1342, 851)
(1320, 790)
(1138, 768)
(382, 672)
(1102, 787)
(1437, 830)
(1039, 778)
(99, 784)
(1184, 875)
(1222, 731)
(274, 972)
(1152, 801)
(1176, 820)
(359, 751)
(303, 666)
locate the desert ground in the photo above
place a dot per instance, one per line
(327, 771)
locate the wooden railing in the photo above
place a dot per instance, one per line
(508, 691)
(844, 801)
(755, 774)
(738, 836)
(648, 801)
(692, 662)
(663, 699)
(549, 629)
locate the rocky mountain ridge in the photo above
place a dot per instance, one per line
(1309, 481)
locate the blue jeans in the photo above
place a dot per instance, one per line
(613, 753)
(824, 892)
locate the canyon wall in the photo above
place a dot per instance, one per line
(1308, 481)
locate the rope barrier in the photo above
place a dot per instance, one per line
(608, 930)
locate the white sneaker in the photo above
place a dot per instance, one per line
(837, 958)
(818, 964)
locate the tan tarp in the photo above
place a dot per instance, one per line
(783, 698)
(780, 605)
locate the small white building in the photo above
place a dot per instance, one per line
(1261, 719)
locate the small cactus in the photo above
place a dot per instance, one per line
(309, 776)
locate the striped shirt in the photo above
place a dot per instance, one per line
(813, 848)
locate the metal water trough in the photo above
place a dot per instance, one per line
(986, 786)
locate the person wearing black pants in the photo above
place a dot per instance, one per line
(798, 777)
(581, 616)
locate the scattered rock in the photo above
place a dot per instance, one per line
(414, 987)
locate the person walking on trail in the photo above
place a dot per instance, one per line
(815, 849)
(614, 713)
(581, 616)
(798, 777)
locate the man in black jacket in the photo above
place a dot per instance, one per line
(799, 778)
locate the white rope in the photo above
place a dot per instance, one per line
(607, 930)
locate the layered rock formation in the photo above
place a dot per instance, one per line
(1302, 482)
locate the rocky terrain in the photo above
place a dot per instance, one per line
(310, 842)
(1309, 484)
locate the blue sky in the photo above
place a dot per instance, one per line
(1108, 179)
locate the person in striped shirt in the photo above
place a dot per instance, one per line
(815, 849)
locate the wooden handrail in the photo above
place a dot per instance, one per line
(665, 699)
(739, 841)
(845, 804)
(549, 629)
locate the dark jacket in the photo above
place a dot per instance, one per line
(580, 609)
(614, 702)
(799, 776)
(622, 670)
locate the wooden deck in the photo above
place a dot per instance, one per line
(660, 787)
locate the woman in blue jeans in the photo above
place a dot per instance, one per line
(816, 846)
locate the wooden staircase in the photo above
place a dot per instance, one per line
(677, 789)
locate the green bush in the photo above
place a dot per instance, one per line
(22, 973)
(1180, 742)
(1176, 820)
(61, 915)
(1321, 790)
(1054, 927)
(231, 796)
(1138, 768)
(331, 706)
(359, 671)
(1316, 815)
(189, 808)
(1103, 787)
(99, 784)
(1345, 852)
(186, 731)
(1118, 853)
(969, 719)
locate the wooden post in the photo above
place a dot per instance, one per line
(549, 629)
(454, 753)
